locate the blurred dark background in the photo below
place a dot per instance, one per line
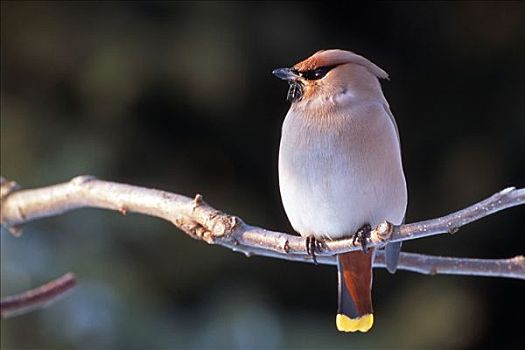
(180, 96)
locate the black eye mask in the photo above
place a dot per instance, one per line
(314, 74)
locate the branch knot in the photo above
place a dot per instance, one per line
(7, 187)
(384, 231)
(82, 179)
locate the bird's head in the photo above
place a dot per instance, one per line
(329, 76)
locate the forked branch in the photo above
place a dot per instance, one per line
(202, 222)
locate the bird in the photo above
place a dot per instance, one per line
(340, 168)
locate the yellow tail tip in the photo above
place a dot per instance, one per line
(347, 324)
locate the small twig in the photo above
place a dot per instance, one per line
(201, 221)
(37, 298)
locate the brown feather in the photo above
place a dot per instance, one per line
(357, 275)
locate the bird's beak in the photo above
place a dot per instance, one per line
(287, 74)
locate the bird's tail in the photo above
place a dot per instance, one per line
(355, 311)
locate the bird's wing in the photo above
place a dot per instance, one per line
(393, 249)
(393, 120)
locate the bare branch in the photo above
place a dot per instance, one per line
(429, 265)
(433, 265)
(201, 221)
(37, 298)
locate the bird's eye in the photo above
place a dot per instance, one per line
(315, 74)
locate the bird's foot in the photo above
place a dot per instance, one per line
(313, 246)
(362, 236)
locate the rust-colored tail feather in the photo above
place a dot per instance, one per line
(355, 311)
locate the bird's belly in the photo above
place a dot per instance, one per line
(331, 193)
(325, 205)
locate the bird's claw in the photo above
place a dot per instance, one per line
(362, 236)
(313, 246)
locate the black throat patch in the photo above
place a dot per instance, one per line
(295, 92)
